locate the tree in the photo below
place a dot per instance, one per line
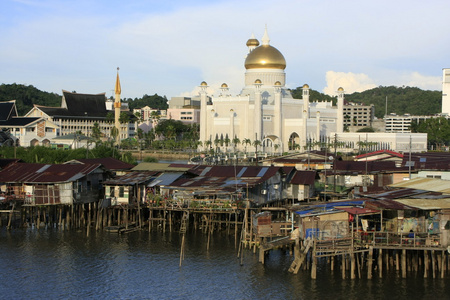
(366, 129)
(236, 141)
(124, 118)
(246, 142)
(96, 132)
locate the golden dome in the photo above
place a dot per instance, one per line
(265, 57)
(305, 86)
(257, 81)
(340, 89)
(277, 83)
(224, 85)
(252, 42)
(203, 83)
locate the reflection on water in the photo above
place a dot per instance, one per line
(50, 264)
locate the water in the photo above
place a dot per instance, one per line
(53, 264)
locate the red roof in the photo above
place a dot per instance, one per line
(304, 177)
(358, 210)
(45, 173)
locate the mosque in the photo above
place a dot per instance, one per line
(265, 110)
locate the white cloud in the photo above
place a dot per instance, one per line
(415, 79)
(350, 82)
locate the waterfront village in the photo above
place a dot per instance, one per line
(364, 203)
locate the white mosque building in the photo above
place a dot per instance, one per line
(265, 109)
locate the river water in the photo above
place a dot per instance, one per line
(54, 264)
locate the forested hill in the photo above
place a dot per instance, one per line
(400, 100)
(26, 96)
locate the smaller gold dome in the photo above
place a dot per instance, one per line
(203, 83)
(305, 86)
(224, 85)
(252, 42)
(277, 83)
(257, 81)
(340, 89)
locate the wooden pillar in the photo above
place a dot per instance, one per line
(433, 263)
(369, 263)
(404, 263)
(425, 264)
(397, 261)
(442, 264)
(352, 265)
(332, 263)
(314, 265)
(380, 262)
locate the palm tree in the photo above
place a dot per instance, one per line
(236, 141)
(246, 142)
(226, 141)
(276, 146)
(256, 143)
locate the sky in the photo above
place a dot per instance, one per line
(169, 47)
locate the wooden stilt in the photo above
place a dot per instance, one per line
(352, 265)
(343, 264)
(425, 264)
(433, 263)
(404, 263)
(380, 263)
(369, 263)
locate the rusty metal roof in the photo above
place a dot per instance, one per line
(426, 204)
(427, 184)
(162, 167)
(45, 173)
(388, 205)
(138, 177)
(359, 210)
(108, 162)
(304, 177)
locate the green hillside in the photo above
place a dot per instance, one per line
(26, 96)
(400, 100)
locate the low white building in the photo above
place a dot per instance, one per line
(373, 141)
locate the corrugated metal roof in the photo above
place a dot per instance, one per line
(388, 205)
(138, 177)
(162, 167)
(426, 204)
(427, 184)
(304, 177)
(359, 210)
(108, 162)
(44, 173)
(166, 178)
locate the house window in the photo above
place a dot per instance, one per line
(121, 191)
(111, 191)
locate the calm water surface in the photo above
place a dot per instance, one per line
(54, 264)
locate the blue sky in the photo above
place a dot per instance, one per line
(169, 47)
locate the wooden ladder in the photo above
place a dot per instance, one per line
(184, 221)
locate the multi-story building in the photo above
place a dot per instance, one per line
(184, 109)
(79, 113)
(395, 123)
(26, 131)
(357, 116)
